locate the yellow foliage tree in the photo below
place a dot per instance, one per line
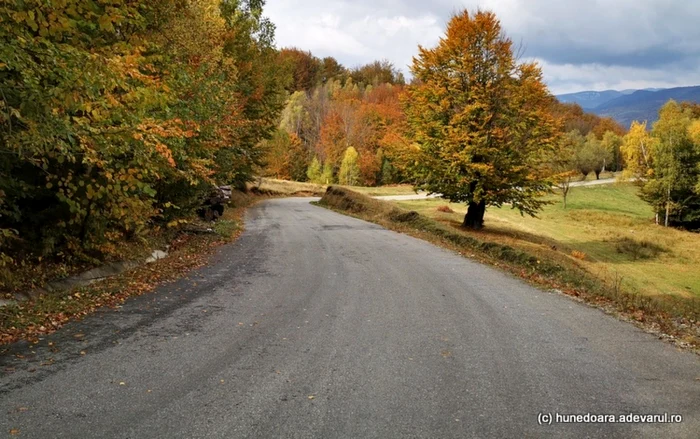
(482, 120)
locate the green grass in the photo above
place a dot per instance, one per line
(606, 223)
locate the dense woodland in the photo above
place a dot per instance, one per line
(117, 117)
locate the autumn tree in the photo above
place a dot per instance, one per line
(349, 173)
(341, 112)
(286, 158)
(313, 173)
(481, 119)
(592, 156)
(672, 186)
(564, 164)
(612, 142)
(573, 117)
(637, 149)
(294, 116)
(303, 70)
(664, 164)
(117, 115)
(331, 69)
(376, 73)
(327, 174)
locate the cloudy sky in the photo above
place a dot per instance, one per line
(580, 44)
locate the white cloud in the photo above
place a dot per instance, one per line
(569, 78)
(582, 44)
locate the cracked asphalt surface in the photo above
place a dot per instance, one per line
(317, 325)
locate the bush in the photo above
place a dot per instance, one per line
(638, 249)
(578, 255)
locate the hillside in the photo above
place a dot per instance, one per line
(589, 100)
(629, 105)
(644, 105)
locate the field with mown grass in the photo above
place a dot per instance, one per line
(607, 229)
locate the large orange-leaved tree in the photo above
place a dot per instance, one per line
(481, 120)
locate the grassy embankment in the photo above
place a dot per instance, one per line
(188, 249)
(604, 248)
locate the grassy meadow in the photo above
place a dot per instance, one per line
(607, 229)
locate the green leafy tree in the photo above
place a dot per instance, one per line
(664, 164)
(564, 165)
(671, 188)
(349, 173)
(592, 156)
(481, 119)
(611, 142)
(327, 174)
(387, 173)
(314, 171)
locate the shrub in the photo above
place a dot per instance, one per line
(638, 249)
(578, 255)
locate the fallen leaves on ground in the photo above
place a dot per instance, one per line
(49, 312)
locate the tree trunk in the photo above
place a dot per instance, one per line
(84, 224)
(668, 207)
(474, 219)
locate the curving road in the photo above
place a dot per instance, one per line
(314, 324)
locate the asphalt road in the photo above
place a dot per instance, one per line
(314, 324)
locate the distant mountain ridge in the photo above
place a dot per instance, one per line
(628, 105)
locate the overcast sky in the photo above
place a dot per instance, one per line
(580, 44)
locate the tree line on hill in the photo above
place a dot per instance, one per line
(362, 109)
(339, 124)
